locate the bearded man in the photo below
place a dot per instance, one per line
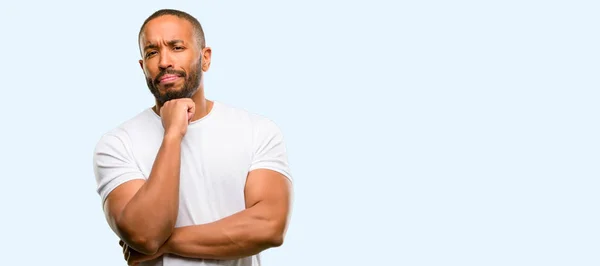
(191, 181)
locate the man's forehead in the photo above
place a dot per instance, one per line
(166, 28)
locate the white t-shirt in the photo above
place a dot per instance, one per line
(217, 153)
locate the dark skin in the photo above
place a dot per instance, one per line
(143, 212)
(169, 42)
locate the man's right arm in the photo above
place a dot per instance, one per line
(143, 213)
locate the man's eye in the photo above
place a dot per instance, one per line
(178, 48)
(150, 53)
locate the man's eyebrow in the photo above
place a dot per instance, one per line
(150, 46)
(173, 42)
(170, 43)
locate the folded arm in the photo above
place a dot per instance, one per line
(260, 226)
(143, 213)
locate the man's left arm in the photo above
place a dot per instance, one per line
(260, 226)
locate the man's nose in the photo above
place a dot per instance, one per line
(165, 61)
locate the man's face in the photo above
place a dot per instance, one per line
(171, 58)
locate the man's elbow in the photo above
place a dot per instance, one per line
(144, 245)
(275, 236)
(276, 241)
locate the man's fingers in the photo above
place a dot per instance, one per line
(191, 106)
(132, 257)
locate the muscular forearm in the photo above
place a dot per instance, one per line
(148, 219)
(240, 235)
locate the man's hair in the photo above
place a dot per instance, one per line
(198, 32)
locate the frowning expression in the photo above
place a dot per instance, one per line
(171, 58)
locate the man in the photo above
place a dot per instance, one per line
(191, 181)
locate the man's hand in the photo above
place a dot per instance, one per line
(134, 258)
(176, 115)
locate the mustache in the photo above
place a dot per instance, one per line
(168, 71)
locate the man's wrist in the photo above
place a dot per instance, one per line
(173, 137)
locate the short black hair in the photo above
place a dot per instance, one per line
(198, 31)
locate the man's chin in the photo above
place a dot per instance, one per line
(172, 94)
(170, 87)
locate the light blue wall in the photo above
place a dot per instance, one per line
(419, 132)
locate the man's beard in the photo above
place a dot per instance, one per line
(190, 84)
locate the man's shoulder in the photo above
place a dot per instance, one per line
(232, 112)
(261, 126)
(140, 122)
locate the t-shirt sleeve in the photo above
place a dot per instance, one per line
(113, 165)
(269, 149)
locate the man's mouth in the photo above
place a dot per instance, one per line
(168, 78)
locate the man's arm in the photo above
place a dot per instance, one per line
(260, 226)
(143, 213)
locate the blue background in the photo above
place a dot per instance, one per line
(419, 132)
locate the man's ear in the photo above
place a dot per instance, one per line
(206, 55)
(142, 64)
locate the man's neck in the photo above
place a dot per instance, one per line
(203, 106)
